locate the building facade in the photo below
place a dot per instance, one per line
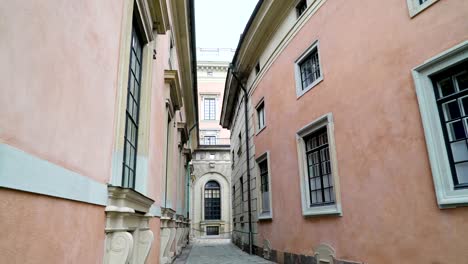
(211, 176)
(356, 131)
(98, 100)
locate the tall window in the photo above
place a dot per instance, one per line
(310, 69)
(132, 111)
(264, 186)
(209, 105)
(319, 168)
(261, 115)
(451, 92)
(307, 70)
(212, 201)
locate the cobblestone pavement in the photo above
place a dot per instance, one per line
(220, 251)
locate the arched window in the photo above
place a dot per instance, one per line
(212, 201)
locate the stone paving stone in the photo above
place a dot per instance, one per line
(220, 251)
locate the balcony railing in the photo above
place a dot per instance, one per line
(214, 142)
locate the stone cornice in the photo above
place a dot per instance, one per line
(127, 200)
(172, 78)
(160, 17)
(181, 27)
(266, 21)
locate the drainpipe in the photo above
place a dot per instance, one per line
(246, 118)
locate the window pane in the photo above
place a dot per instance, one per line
(464, 105)
(446, 87)
(460, 150)
(462, 81)
(451, 110)
(456, 130)
(462, 172)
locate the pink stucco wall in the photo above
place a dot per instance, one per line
(390, 212)
(40, 229)
(153, 256)
(59, 81)
(212, 87)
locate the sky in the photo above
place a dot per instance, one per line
(219, 23)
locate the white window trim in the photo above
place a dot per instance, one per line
(334, 209)
(262, 215)
(209, 96)
(447, 196)
(297, 70)
(415, 8)
(257, 127)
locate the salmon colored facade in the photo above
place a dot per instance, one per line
(388, 209)
(64, 129)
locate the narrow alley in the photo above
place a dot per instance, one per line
(234, 132)
(216, 251)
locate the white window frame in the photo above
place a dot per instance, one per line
(297, 69)
(209, 96)
(307, 210)
(264, 215)
(447, 195)
(414, 7)
(261, 103)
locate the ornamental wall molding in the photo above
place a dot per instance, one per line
(128, 235)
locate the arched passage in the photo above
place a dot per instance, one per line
(211, 209)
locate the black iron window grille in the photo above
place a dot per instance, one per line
(451, 91)
(310, 69)
(301, 7)
(209, 108)
(212, 230)
(212, 201)
(319, 169)
(132, 111)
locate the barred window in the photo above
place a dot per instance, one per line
(212, 201)
(264, 186)
(319, 169)
(132, 111)
(209, 108)
(310, 69)
(212, 230)
(261, 115)
(451, 92)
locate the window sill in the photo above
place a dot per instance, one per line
(415, 8)
(265, 216)
(301, 92)
(260, 130)
(333, 209)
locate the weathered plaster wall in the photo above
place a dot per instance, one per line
(42, 229)
(59, 81)
(390, 213)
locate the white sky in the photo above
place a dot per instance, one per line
(219, 23)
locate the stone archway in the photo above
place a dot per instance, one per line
(199, 223)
